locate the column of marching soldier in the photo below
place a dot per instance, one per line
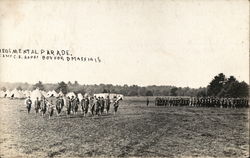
(203, 102)
(89, 105)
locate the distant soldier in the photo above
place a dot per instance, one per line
(28, 104)
(218, 103)
(51, 107)
(102, 102)
(222, 103)
(171, 102)
(247, 103)
(92, 105)
(43, 106)
(116, 104)
(69, 102)
(147, 101)
(107, 104)
(82, 104)
(98, 106)
(59, 105)
(72, 108)
(86, 106)
(37, 105)
(75, 104)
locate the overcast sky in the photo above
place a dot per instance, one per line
(181, 43)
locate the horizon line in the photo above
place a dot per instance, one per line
(72, 82)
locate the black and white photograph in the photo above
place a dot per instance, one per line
(124, 78)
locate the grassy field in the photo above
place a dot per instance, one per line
(136, 130)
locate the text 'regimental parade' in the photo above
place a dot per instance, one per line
(45, 55)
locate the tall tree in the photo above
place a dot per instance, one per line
(216, 85)
(38, 85)
(149, 93)
(3, 89)
(19, 88)
(244, 89)
(173, 91)
(62, 86)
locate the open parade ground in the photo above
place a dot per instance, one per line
(135, 130)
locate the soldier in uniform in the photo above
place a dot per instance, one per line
(51, 107)
(43, 106)
(195, 102)
(72, 104)
(69, 105)
(82, 102)
(98, 106)
(86, 106)
(147, 102)
(116, 104)
(59, 104)
(76, 103)
(107, 104)
(93, 106)
(102, 102)
(28, 104)
(156, 101)
(37, 105)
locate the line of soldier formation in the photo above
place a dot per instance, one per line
(90, 106)
(203, 102)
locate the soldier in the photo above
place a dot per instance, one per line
(76, 103)
(107, 104)
(51, 107)
(217, 102)
(191, 101)
(59, 105)
(69, 105)
(37, 105)
(82, 104)
(116, 104)
(198, 102)
(246, 102)
(43, 106)
(98, 106)
(93, 101)
(102, 102)
(156, 101)
(86, 106)
(147, 102)
(28, 104)
(230, 103)
(222, 102)
(72, 104)
(170, 101)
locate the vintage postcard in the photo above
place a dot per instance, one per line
(116, 78)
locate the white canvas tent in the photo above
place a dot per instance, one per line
(86, 95)
(70, 94)
(17, 94)
(48, 94)
(104, 95)
(52, 94)
(36, 94)
(7, 94)
(2, 93)
(27, 93)
(44, 93)
(60, 93)
(80, 96)
(111, 95)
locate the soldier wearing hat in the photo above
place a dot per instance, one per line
(28, 104)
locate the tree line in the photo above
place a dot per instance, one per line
(220, 86)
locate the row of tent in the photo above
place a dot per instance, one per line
(20, 94)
